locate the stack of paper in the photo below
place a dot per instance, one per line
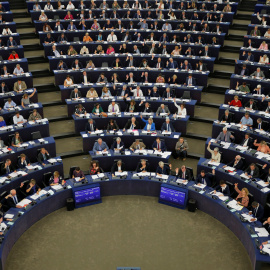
(213, 163)
(266, 189)
(181, 181)
(243, 175)
(247, 217)
(233, 204)
(52, 160)
(121, 173)
(262, 183)
(56, 187)
(24, 202)
(262, 232)
(163, 176)
(202, 186)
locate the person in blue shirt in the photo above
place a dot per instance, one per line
(10, 104)
(149, 124)
(246, 120)
(2, 122)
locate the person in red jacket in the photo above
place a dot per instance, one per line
(235, 102)
(13, 55)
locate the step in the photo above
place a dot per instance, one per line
(226, 61)
(234, 37)
(208, 104)
(196, 136)
(24, 25)
(238, 26)
(46, 88)
(41, 73)
(220, 74)
(202, 119)
(53, 103)
(71, 154)
(65, 135)
(233, 49)
(242, 17)
(32, 47)
(37, 59)
(212, 88)
(28, 36)
(60, 118)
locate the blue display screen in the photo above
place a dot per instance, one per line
(87, 195)
(172, 196)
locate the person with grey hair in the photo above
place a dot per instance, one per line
(237, 163)
(163, 109)
(163, 168)
(118, 145)
(227, 117)
(215, 155)
(258, 90)
(225, 136)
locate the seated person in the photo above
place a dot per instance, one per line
(97, 109)
(242, 197)
(18, 119)
(225, 136)
(227, 117)
(215, 155)
(34, 116)
(43, 156)
(252, 171)
(181, 110)
(251, 105)
(167, 125)
(137, 92)
(183, 173)
(75, 94)
(257, 211)
(92, 93)
(259, 124)
(243, 88)
(142, 166)
(118, 145)
(223, 188)
(137, 145)
(62, 65)
(90, 126)
(105, 92)
(247, 141)
(94, 167)
(159, 145)
(112, 125)
(163, 168)
(56, 179)
(78, 173)
(113, 108)
(168, 93)
(131, 106)
(68, 81)
(190, 81)
(132, 124)
(237, 163)
(26, 99)
(235, 102)
(181, 148)
(163, 109)
(118, 166)
(262, 147)
(7, 167)
(205, 178)
(12, 200)
(18, 71)
(16, 140)
(146, 108)
(19, 86)
(13, 55)
(102, 78)
(100, 146)
(149, 124)
(10, 104)
(258, 73)
(3, 88)
(32, 187)
(2, 122)
(80, 110)
(76, 65)
(153, 93)
(246, 120)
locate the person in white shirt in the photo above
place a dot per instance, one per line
(261, 19)
(70, 6)
(48, 6)
(18, 70)
(113, 108)
(136, 5)
(3, 226)
(267, 33)
(264, 59)
(181, 109)
(18, 119)
(112, 37)
(6, 31)
(137, 92)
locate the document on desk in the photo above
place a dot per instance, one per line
(266, 250)
(242, 148)
(244, 176)
(247, 217)
(202, 186)
(52, 160)
(262, 183)
(181, 181)
(23, 203)
(120, 173)
(77, 179)
(14, 174)
(262, 232)
(163, 176)
(266, 189)
(3, 179)
(213, 163)
(225, 145)
(85, 135)
(233, 204)
(56, 187)
(9, 216)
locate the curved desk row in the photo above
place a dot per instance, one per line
(16, 37)
(143, 187)
(88, 104)
(251, 66)
(200, 77)
(84, 59)
(213, 49)
(6, 51)
(181, 34)
(10, 25)
(255, 52)
(253, 187)
(127, 138)
(195, 92)
(180, 124)
(11, 79)
(11, 64)
(256, 41)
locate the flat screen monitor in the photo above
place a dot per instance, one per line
(86, 195)
(174, 196)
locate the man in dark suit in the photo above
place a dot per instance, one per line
(11, 42)
(248, 57)
(62, 38)
(132, 124)
(183, 173)
(126, 37)
(217, 29)
(190, 81)
(223, 188)
(11, 200)
(43, 156)
(76, 65)
(3, 88)
(7, 167)
(159, 145)
(171, 64)
(205, 52)
(4, 70)
(118, 145)
(244, 71)
(252, 171)
(117, 63)
(164, 38)
(90, 126)
(118, 166)
(204, 178)
(247, 141)
(62, 65)
(201, 66)
(237, 163)
(158, 64)
(153, 93)
(85, 78)
(163, 168)
(167, 126)
(168, 93)
(227, 117)
(75, 93)
(130, 62)
(146, 108)
(257, 211)
(251, 105)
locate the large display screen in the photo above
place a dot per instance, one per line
(88, 195)
(177, 197)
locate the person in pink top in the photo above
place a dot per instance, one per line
(263, 46)
(262, 147)
(69, 16)
(95, 25)
(110, 50)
